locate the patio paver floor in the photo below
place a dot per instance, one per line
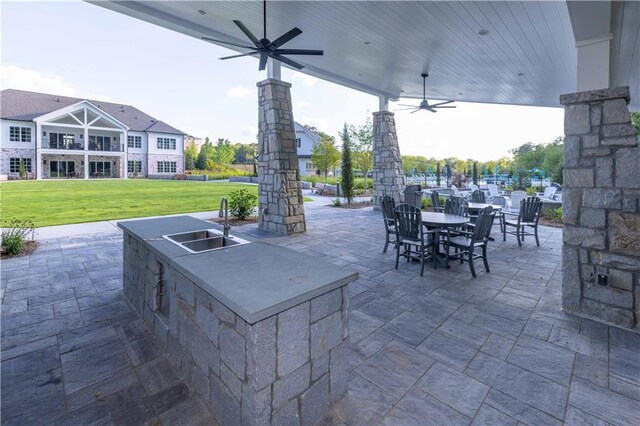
(440, 349)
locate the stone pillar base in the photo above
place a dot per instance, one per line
(280, 207)
(601, 208)
(388, 177)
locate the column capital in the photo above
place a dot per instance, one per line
(273, 81)
(389, 113)
(596, 96)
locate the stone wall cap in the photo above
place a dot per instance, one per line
(596, 95)
(273, 81)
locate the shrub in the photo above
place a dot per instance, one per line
(425, 203)
(555, 214)
(531, 191)
(13, 236)
(337, 202)
(242, 203)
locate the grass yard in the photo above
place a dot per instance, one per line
(57, 202)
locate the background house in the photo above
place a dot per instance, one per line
(59, 137)
(305, 139)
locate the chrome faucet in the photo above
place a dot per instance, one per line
(224, 212)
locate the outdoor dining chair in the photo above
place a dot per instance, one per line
(467, 242)
(473, 187)
(414, 242)
(477, 196)
(456, 205)
(528, 216)
(435, 202)
(549, 192)
(388, 206)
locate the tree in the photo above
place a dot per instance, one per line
(438, 174)
(190, 156)
(325, 156)
(363, 148)
(475, 172)
(635, 120)
(347, 168)
(204, 154)
(223, 152)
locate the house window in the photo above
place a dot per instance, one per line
(62, 141)
(166, 166)
(19, 134)
(299, 142)
(14, 164)
(309, 165)
(134, 141)
(166, 143)
(134, 166)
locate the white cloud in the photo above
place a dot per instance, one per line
(318, 123)
(238, 92)
(15, 77)
(307, 80)
(250, 132)
(302, 104)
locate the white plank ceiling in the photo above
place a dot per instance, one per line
(528, 56)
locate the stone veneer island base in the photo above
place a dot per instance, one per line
(258, 330)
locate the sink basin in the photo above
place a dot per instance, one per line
(204, 240)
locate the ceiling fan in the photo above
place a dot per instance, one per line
(425, 103)
(267, 48)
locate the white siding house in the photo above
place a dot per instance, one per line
(305, 139)
(52, 137)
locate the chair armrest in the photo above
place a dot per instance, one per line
(510, 214)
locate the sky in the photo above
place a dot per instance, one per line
(77, 49)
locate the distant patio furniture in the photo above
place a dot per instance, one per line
(528, 216)
(549, 193)
(388, 206)
(473, 187)
(477, 196)
(494, 191)
(435, 202)
(513, 202)
(319, 188)
(411, 236)
(468, 241)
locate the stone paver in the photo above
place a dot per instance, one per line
(440, 349)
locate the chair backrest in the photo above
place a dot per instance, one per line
(482, 230)
(455, 205)
(388, 206)
(455, 189)
(516, 198)
(530, 209)
(435, 200)
(408, 221)
(549, 191)
(499, 200)
(477, 196)
(474, 187)
(493, 189)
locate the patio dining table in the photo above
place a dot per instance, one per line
(440, 222)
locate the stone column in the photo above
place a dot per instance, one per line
(387, 165)
(280, 197)
(601, 208)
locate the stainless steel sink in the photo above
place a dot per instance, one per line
(204, 240)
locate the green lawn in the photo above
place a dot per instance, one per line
(57, 202)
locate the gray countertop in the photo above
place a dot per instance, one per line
(254, 280)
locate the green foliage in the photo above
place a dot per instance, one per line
(554, 214)
(23, 169)
(190, 157)
(223, 152)
(204, 154)
(547, 157)
(362, 139)
(325, 156)
(635, 120)
(531, 191)
(347, 167)
(242, 203)
(337, 202)
(425, 203)
(14, 235)
(438, 174)
(245, 153)
(475, 172)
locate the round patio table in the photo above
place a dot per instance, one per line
(479, 206)
(439, 222)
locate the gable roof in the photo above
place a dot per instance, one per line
(22, 105)
(301, 128)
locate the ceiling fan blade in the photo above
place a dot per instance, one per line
(263, 61)
(405, 109)
(237, 56)
(213, 40)
(448, 106)
(431, 110)
(442, 103)
(288, 61)
(295, 32)
(248, 33)
(413, 112)
(405, 105)
(298, 52)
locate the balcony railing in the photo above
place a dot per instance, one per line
(78, 146)
(106, 147)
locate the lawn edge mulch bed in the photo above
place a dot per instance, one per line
(358, 205)
(29, 247)
(234, 221)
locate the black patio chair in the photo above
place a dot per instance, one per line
(468, 241)
(411, 236)
(388, 206)
(528, 216)
(456, 205)
(435, 202)
(478, 196)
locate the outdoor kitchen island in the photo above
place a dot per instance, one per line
(259, 331)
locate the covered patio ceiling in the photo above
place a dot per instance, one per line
(527, 55)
